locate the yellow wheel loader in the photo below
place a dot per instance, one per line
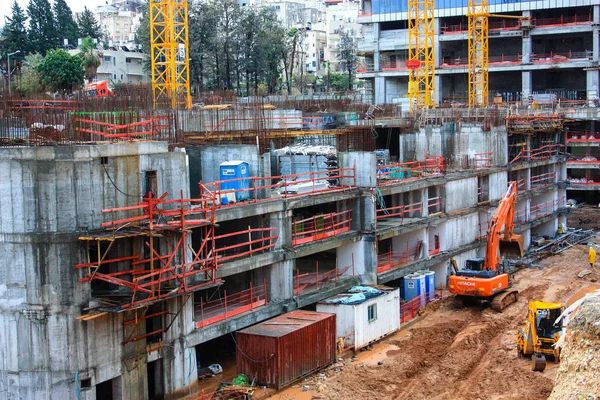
(537, 339)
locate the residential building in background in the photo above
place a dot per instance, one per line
(555, 51)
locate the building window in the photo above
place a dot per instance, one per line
(150, 183)
(107, 58)
(372, 312)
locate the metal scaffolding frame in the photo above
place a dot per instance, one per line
(478, 68)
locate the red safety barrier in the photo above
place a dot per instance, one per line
(321, 227)
(583, 137)
(403, 211)
(393, 65)
(543, 180)
(288, 185)
(434, 205)
(562, 20)
(542, 153)
(315, 279)
(409, 309)
(413, 170)
(231, 305)
(482, 160)
(561, 57)
(395, 259)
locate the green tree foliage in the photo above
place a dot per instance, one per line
(90, 59)
(88, 25)
(60, 71)
(42, 32)
(235, 48)
(30, 81)
(65, 24)
(347, 55)
(14, 33)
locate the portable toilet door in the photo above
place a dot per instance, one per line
(239, 189)
(422, 292)
(411, 287)
(430, 284)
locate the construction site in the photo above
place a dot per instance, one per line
(156, 246)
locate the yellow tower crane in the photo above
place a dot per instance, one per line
(170, 53)
(421, 62)
(478, 69)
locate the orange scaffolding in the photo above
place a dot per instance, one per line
(413, 170)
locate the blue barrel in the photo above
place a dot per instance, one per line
(430, 284)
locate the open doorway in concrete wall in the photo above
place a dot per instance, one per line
(221, 351)
(109, 390)
(156, 386)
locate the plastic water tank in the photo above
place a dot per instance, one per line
(430, 284)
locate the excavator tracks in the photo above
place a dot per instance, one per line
(504, 299)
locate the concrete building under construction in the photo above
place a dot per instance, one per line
(132, 248)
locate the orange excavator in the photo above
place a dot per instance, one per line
(484, 278)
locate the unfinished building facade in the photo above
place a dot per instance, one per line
(128, 261)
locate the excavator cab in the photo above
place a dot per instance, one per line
(511, 247)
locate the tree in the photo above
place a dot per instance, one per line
(30, 81)
(90, 60)
(60, 71)
(88, 25)
(347, 55)
(42, 32)
(66, 25)
(14, 34)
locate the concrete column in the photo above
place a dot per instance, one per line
(365, 163)
(438, 86)
(179, 358)
(593, 86)
(527, 47)
(280, 281)
(376, 53)
(526, 82)
(437, 50)
(361, 257)
(379, 88)
(596, 16)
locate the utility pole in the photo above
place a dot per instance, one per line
(8, 56)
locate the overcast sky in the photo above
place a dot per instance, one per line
(76, 5)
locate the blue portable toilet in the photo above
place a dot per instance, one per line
(420, 280)
(430, 284)
(412, 286)
(234, 170)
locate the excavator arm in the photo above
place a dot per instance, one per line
(507, 242)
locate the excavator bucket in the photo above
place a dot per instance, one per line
(538, 362)
(511, 248)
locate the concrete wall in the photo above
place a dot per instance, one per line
(460, 231)
(460, 194)
(50, 195)
(458, 143)
(498, 185)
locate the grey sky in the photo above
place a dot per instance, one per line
(76, 5)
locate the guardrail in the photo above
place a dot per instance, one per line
(413, 170)
(320, 227)
(254, 189)
(401, 211)
(542, 180)
(211, 312)
(307, 280)
(583, 137)
(396, 259)
(542, 153)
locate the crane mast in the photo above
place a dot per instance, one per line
(169, 44)
(478, 13)
(421, 62)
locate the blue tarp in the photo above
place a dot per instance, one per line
(356, 295)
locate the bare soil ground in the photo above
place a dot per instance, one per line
(584, 217)
(450, 353)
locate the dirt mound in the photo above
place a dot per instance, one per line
(580, 357)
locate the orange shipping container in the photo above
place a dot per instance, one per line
(284, 349)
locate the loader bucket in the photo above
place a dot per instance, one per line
(538, 362)
(511, 248)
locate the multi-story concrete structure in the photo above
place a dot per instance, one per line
(557, 50)
(123, 267)
(119, 23)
